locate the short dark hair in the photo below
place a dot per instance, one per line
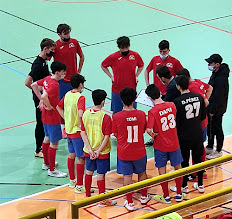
(76, 80)
(57, 66)
(164, 44)
(46, 42)
(182, 81)
(63, 28)
(98, 96)
(163, 71)
(128, 95)
(183, 71)
(153, 92)
(123, 42)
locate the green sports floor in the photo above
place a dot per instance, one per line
(195, 30)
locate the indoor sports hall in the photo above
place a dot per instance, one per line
(195, 30)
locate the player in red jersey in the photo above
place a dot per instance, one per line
(161, 126)
(126, 66)
(129, 126)
(50, 116)
(163, 59)
(66, 52)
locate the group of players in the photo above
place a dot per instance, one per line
(175, 123)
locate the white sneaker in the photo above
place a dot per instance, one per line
(208, 150)
(46, 167)
(72, 184)
(213, 155)
(200, 189)
(145, 199)
(57, 173)
(129, 206)
(183, 189)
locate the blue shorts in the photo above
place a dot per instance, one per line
(134, 166)
(116, 103)
(53, 132)
(101, 165)
(161, 158)
(75, 145)
(64, 88)
(204, 134)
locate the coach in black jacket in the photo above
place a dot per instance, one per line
(217, 103)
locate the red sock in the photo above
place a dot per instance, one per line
(101, 186)
(80, 173)
(52, 158)
(178, 181)
(143, 192)
(71, 164)
(164, 186)
(88, 182)
(129, 197)
(203, 157)
(45, 147)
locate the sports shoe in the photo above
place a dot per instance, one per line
(107, 202)
(57, 173)
(46, 167)
(40, 154)
(72, 184)
(214, 154)
(208, 150)
(145, 199)
(81, 189)
(183, 189)
(200, 189)
(179, 198)
(150, 142)
(160, 198)
(64, 134)
(129, 206)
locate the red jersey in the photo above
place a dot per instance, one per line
(123, 68)
(162, 119)
(173, 65)
(51, 86)
(129, 127)
(80, 106)
(67, 54)
(199, 87)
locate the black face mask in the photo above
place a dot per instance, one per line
(125, 53)
(66, 40)
(50, 54)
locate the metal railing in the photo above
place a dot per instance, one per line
(50, 212)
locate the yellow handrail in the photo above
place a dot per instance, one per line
(186, 204)
(51, 212)
(153, 181)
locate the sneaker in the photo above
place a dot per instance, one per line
(64, 134)
(213, 155)
(46, 167)
(180, 198)
(57, 173)
(145, 199)
(160, 198)
(81, 189)
(208, 150)
(72, 184)
(200, 189)
(107, 202)
(150, 142)
(183, 189)
(129, 206)
(40, 154)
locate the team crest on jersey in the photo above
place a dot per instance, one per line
(169, 65)
(45, 83)
(71, 45)
(131, 57)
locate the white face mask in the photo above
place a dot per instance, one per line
(163, 56)
(211, 68)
